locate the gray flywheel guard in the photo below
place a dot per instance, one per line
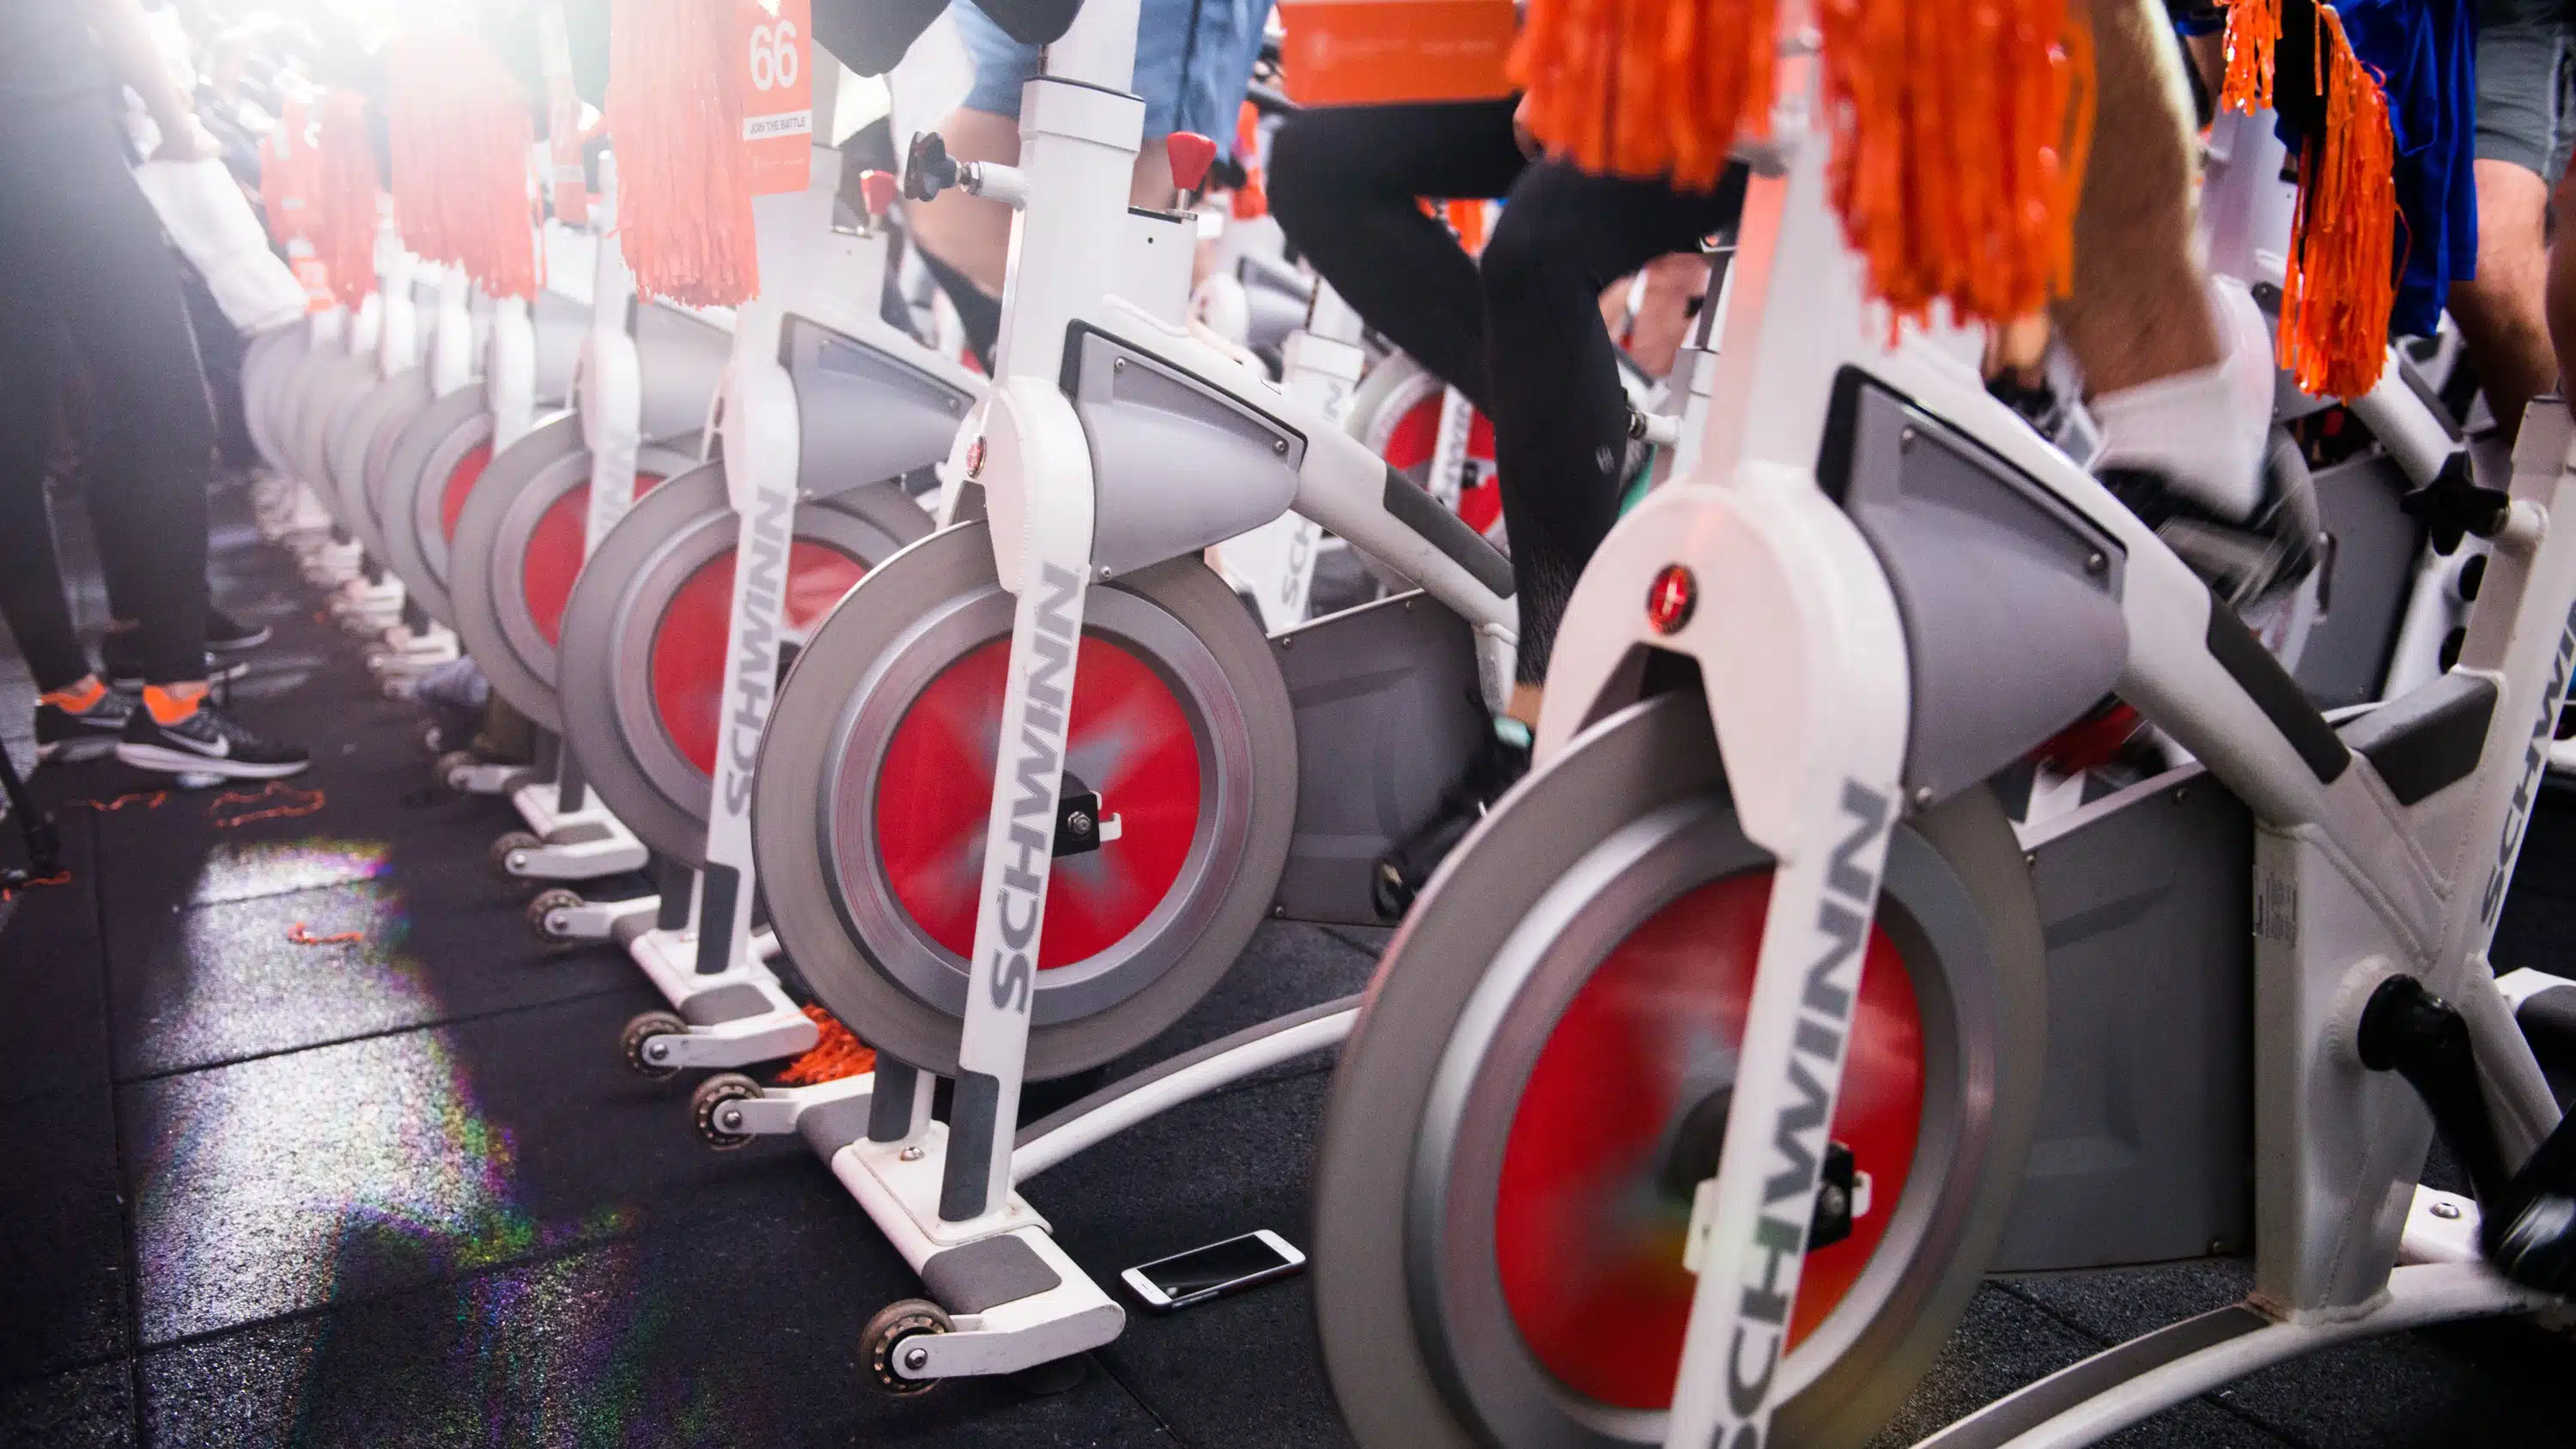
(1162, 443)
(2145, 1145)
(864, 415)
(1389, 712)
(2010, 600)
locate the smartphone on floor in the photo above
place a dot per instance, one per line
(1213, 1271)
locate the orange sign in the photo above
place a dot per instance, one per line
(1365, 52)
(778, 122)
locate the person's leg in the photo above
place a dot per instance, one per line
(968, 234)
(1560, 415)
(2562, 283)
(32, 599)
(2136, 315)
(89, 244)
(1345, 183)
(1560, 435)
(2181, 367)
(128, 321)
(2502, 311)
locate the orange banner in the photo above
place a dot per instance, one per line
(1364, 52)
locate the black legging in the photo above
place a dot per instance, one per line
(1524, 339)
(86, 279)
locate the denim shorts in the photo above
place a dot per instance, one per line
(1193, 60)
(2526, 58)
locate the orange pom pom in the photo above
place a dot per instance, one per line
(461, 141)
(836, 1054)
(1960, 131)
(344, 200)
(675, 109)
(1647, 88)
(2342, 276)
(1960, 137)
(2253, 30)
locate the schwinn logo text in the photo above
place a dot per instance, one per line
(756, 673)
(2543, 730)
(1035, 773)
(1798, 1132)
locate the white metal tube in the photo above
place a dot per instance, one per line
(2417, 1296)
(1186, 1085)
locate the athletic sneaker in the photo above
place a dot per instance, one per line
(228, 635)
(1501, 760)
(2247, 561)
(124, 662)
(66, 735)
(203, 741)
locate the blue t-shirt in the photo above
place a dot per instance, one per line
(1194, 62)
(2425, 53)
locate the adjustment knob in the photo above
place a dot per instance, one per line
(1191, 154)
(879, 189)
(928, 170)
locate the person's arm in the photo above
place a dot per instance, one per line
(134, 57)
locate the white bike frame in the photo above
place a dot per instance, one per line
(1804, 656)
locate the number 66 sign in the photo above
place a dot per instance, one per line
(778, 102)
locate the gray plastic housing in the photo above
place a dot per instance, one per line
(2365, 579)
(1389, 711)
(2010, 599)
(1180, 463)
(2145, 1145)
(863, 414)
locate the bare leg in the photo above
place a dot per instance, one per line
(1663, 322)
(2502, 312)
(2138, 312)
(972, 234)
(2562, 286)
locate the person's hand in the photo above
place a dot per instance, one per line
(188, 141)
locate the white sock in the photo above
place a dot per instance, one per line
(2202, 430)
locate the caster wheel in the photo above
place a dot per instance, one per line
(712, 1105)
(545, 915)
(451, 766)
(512, 848)
(642, 1029)
(883, 1339)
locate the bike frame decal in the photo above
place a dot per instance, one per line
(1799, 1104)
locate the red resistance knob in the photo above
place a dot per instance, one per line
(879, 189)
(1191, 155)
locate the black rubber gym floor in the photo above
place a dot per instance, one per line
(398, 1190)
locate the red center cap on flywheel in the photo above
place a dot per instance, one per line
(1671, 599)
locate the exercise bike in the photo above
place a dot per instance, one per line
(830, 423)
(1167, 777)
(1720, 1063)
(626, 411)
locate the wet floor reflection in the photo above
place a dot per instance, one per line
(238, 871)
